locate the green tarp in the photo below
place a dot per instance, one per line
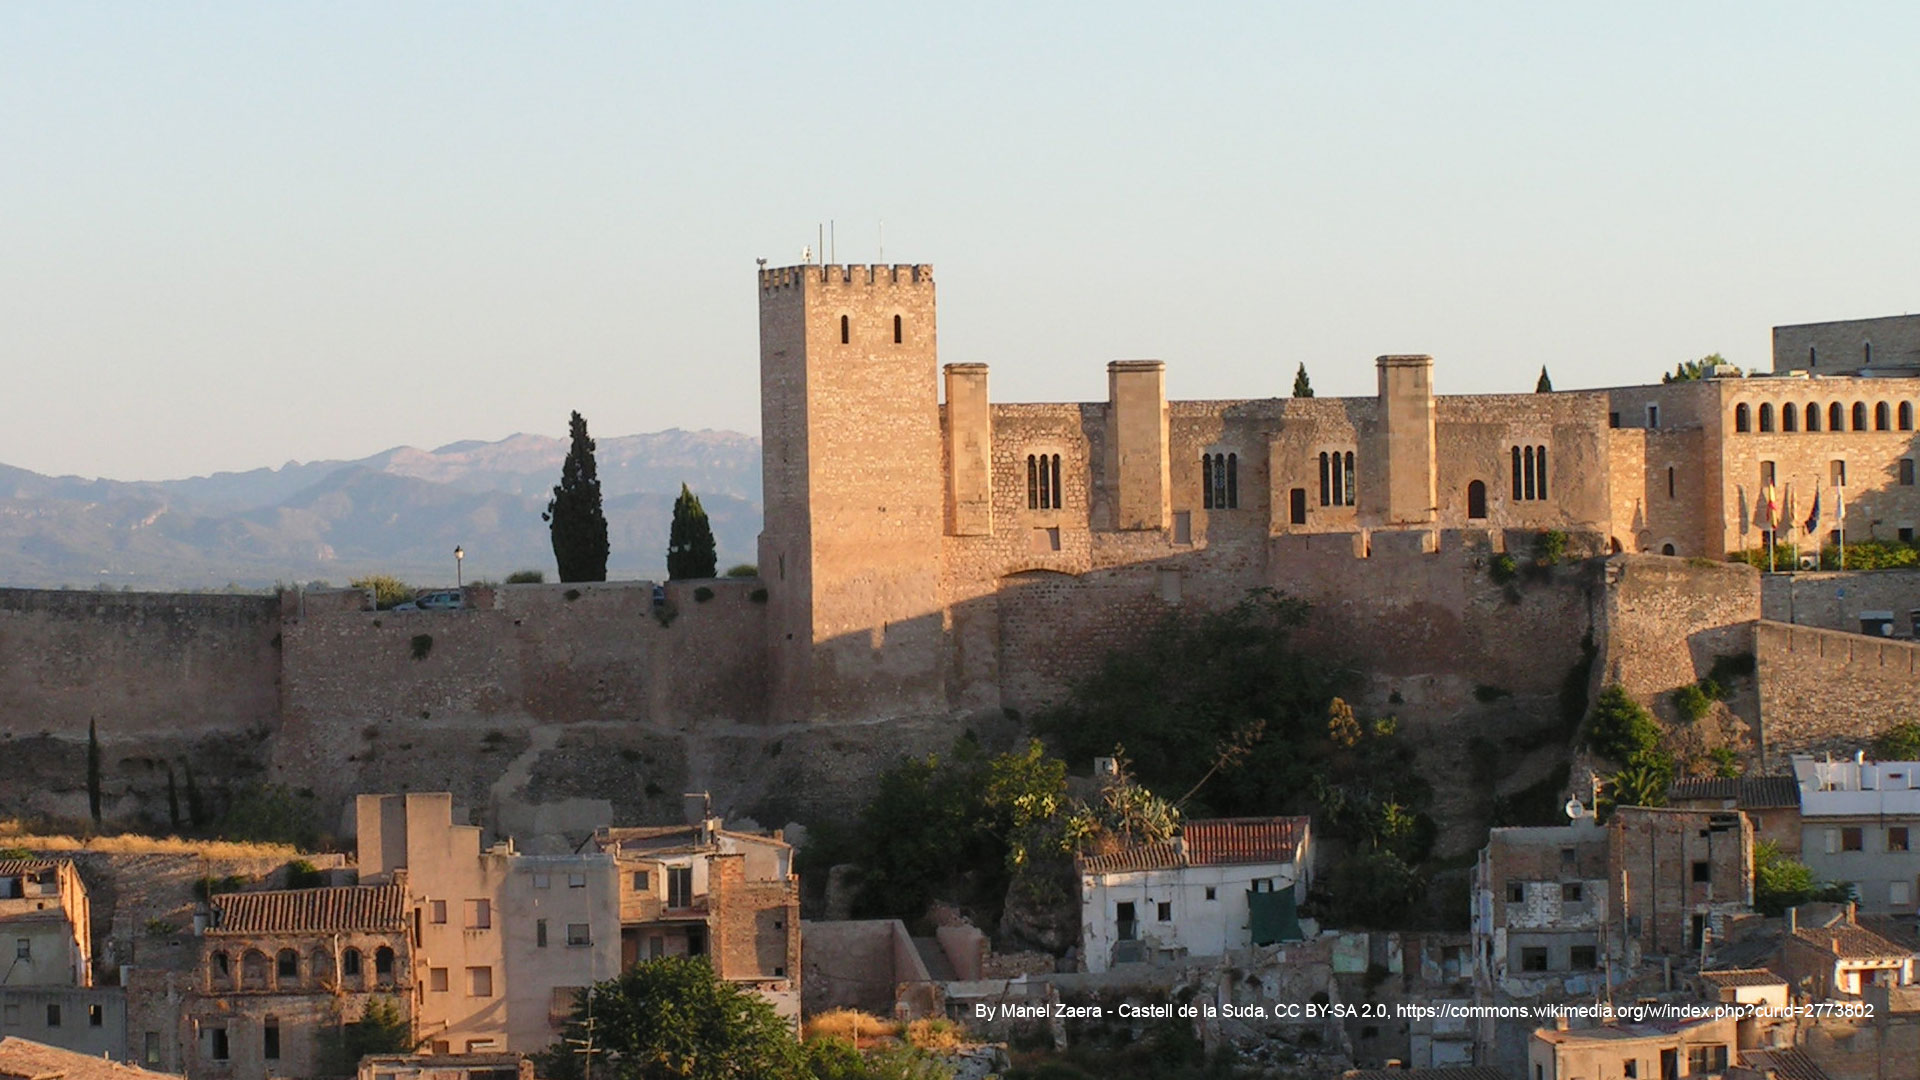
(1272, 917)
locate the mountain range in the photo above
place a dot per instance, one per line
(400, 512)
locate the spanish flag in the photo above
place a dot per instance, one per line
(1771, 496)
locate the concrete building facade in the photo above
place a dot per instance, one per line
(45, 924)
(1860, 823)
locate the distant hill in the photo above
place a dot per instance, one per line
(400, 511)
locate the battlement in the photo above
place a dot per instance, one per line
(846, 275)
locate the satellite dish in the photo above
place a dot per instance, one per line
(1576, 809)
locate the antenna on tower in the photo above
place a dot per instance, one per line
(833, 246)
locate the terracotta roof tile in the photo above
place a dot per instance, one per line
(1209, 842)
(1849, 942)
(1742, 977)
(18, 867)
(371, 908)
(1784, 1063)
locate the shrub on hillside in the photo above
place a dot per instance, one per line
(526, 577)
(1620, 727)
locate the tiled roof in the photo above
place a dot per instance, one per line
(1742, 977)
(1849, 942)
(1784, 1063)
(1747, 792)
(1899, 929)
(1209, 842)
(19, 867)
(371, 908)
(1226, 841)
(22, 1059)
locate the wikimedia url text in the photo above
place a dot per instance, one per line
(1636, 1013)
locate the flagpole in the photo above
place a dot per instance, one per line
(1840, 507)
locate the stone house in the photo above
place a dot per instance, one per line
(1222, 884)
(1771, 803)
(502, 941)
(1647, 1050)
(1860, 822)
(1539, 901)
(1681, 875)
(706, 890)
(46, 927)
(278, 970)
(1841, 959)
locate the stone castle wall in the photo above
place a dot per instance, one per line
(1824, 690)
(1835, 599)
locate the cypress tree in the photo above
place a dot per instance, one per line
(579, 525)
(690, 551)
(1301, 387)
(1545, 385)
(93, 771)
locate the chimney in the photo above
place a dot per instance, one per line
(1559, 1021)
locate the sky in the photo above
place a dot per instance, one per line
(233, 235)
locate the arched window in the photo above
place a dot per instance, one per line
(1540, 464)
(253, 970)
(320, 964)
(1882, 417)
(287, 966)
(1836, 417)
(1766, 417)
(350, 963)
(1526, 458)
(1813, 417)
(1742, 419)
(1906, 416)
(220, 969)
(1859, 416)
(1666, 549)
(1476, 501)
(1043, 481)
(896, 329)
(1353, 489)
(1789, 418)
(383, 961)
(1220, 481)
(846, 330)
(1518, 494)
(1529, 473)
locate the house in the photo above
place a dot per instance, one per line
(1681, 875)
(445, 1067)
(1860, 822)
(1647, 1050)
(22, 1059)
(45, 924)
(1772, 803)
(1539, 903)
(502, 942)
(706, 890)
(278, 970)
(1222, 884)
(1840, 958)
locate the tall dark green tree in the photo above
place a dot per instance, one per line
(382, 1029)
(1301, 386)
(574, 514)
(1545, 385)
(674, 1019)
(690, 552)
(93, 771)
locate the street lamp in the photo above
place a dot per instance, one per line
(457, 556)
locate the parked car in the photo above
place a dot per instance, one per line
(444, 600)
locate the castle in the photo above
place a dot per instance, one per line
(931, 554)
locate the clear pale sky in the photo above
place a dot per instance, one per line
(237, 234)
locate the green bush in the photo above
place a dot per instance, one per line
(745, 569)
(422, 645)
(302, 874)
(1619, 727)
(1550, 547)
(208, 887)
(526, 577)
(1901, 742)
(1692, 703)
(702, 594)
(1504, 568)
(387, 589)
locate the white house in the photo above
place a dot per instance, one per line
(1222, 884)
(1860, 822)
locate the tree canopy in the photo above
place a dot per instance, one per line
(574, 514)
(1301, 386)
(383, 1028)
(690, 550)
(1698, 369)
(674, 1019)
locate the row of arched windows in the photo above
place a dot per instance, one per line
(1336, 479)
(1043, 481)
(1220, 481)
(257, 972)
(846, 330)
(1792, 417)
(1529, 473)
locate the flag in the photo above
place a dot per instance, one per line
(1745, 518)
(1840, 506)
(1813, 519)
(1786, 512)
(1770, 497)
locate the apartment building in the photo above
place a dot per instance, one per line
(1860, 822)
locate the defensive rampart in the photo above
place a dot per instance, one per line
(1826, 690)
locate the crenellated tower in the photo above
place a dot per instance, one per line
(854, 491)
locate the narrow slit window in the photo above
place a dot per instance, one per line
(1669, 481)
(1352, 489)
(1206, 481)
(1233, 481)
(1326, 489)
(896, 329)
(1540, 466)
(1526, 457)
(846, 330)
(1517, 496)
(1056, 481)
(1339, 482)
(1033, 482)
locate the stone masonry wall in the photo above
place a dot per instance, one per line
(1834, 599)
(1823, 690)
